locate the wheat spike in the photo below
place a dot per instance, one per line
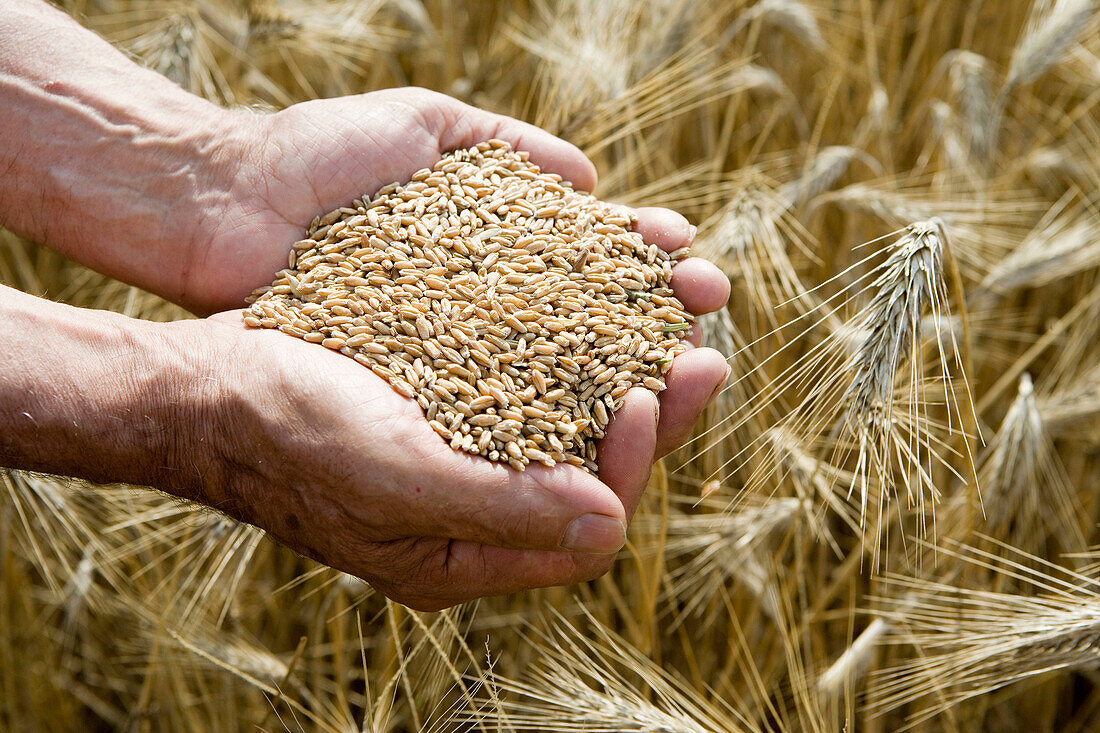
(790, 16)
(975, 641)
(910, 281)
(823, 171)
(970, 77)
(1054, 25)
(1065, 243)
(1026, 493)
(1067, 411)
(862, 394)
(596, 682)
(751, 240)
(719, 546)
(852, 666)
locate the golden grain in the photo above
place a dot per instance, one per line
(489, 292)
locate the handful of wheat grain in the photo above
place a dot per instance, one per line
(515, 310)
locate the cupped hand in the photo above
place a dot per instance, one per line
(330, 460)
(316, 156)
(334, 463)
(341, 467)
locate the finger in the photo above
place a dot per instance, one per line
(664, 228)
(625, 454)
(699, 285)
(691, 383)
(444, 573)
(694, 338)
(469, 126)
(558, 509)
(476, 571)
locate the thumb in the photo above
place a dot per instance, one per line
(627, 451)
(560, 509)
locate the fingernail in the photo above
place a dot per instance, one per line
(691, 232)
(594, 533)
(722, 384)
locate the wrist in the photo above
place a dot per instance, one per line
(199, 398)
(223, 448)
(84, 395)
(105, 161)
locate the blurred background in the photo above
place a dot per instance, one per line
(887, 520)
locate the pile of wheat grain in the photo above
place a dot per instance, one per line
(514, 309)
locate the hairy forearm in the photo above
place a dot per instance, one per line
(103, 160)
(93, 394)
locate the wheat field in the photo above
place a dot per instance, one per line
(887, 519)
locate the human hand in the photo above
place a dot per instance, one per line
(330, 460)
(427, 526)
(314, 157)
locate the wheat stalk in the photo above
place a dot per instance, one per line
(862, 393)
